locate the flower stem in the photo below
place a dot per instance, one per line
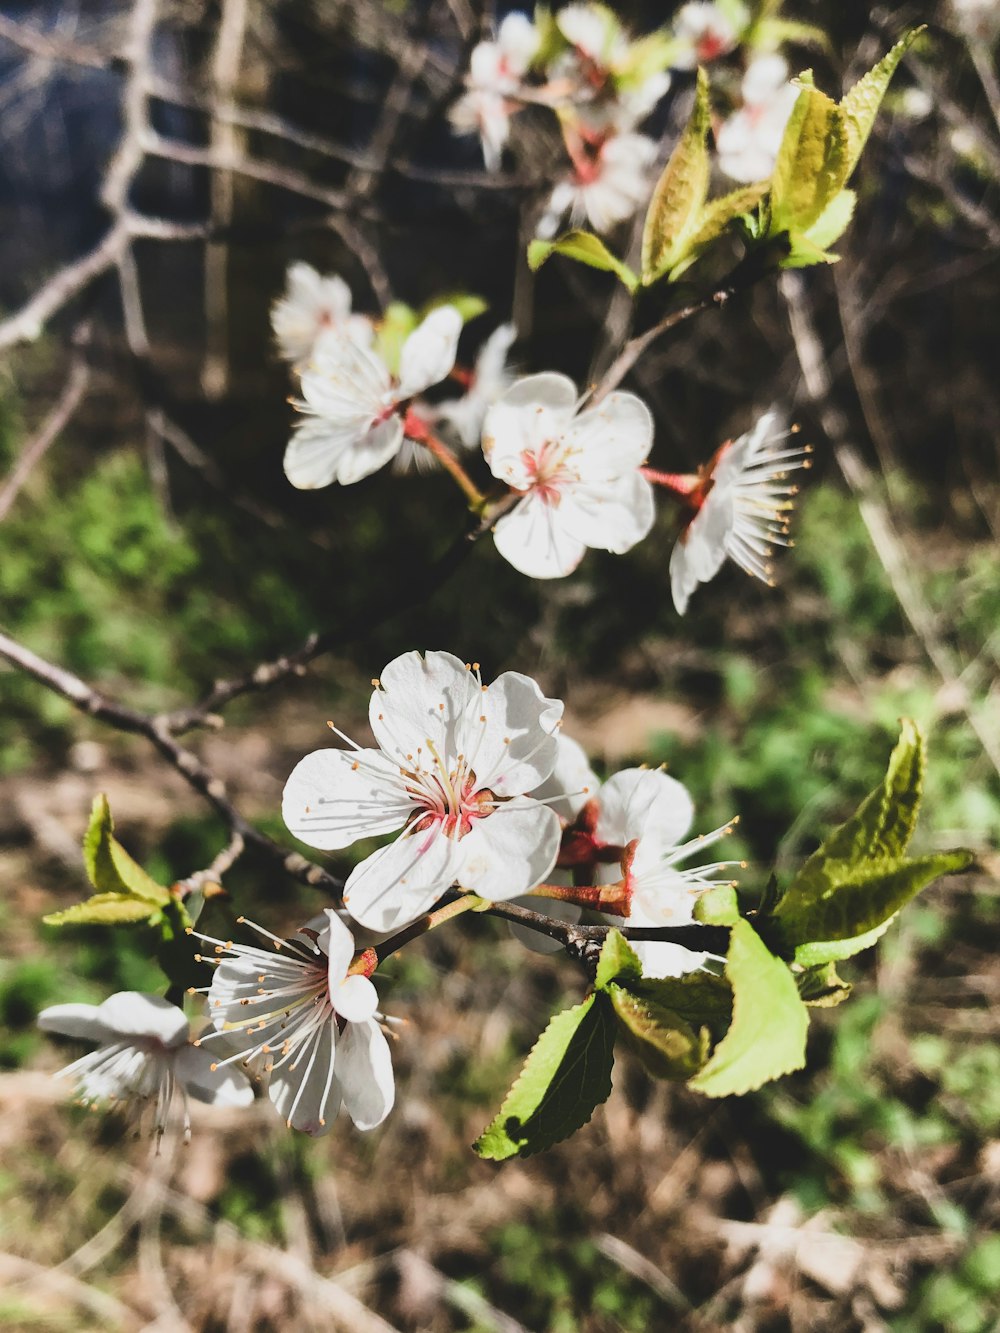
(466, 902)
(418, 430)
(600, 897)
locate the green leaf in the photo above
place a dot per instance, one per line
(680, 192)
(803, 253)
(566, 1075)
(467, 304)
(103, 909)
(718, 907)
(109, 867)
(585, 248)
(834, 220)
(645, 57)
(860, 104)
(812, 161)
(618, 959)
(822, 988)
(393, 329)
(667, 1045)
(818, 952)
(881, 827)
(769, 33)
(767, 1037)
(713, 220)
(852, 899)
(702, 999)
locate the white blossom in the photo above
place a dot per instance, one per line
(495, 72)
(578, 474)
(740, 509)
(454, 762)
(607, 185)
(595, 33)
(748, 141)
(704, 32)
(312, 306)
(650, 814)
(296, 1013)
(490, 378)
(143, 1055)
(355, 405)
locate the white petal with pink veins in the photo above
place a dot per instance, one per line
(533, 540)
(333, 797)
(511, 851)
(515, 740)
(398, 883)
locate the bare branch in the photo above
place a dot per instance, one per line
(52, 427)
(155, 730)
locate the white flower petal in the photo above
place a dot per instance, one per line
(511, 851)
(398, 883)
(365, 1073)
(637, 802)
(225, 1086)
(355, 999)
(305, 1093)
(344, 378)
(662, 959)
(613, 438)
(75, 1020)
(131, 1013)
(337, 943)
(612, 516)
(334, 797)
(428, 354)
(532, 539)
(572, 780)
(701, 548)
(534, 409)
(511, 744)
(316, 451)
(421, 698)
(518, 40)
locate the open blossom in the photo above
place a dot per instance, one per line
(490, 378)
(314, 305)
(495, 72)
(703, 34)
(748, 141)
(739, 506)
(356, 406)
(578, 474)
(143, 1055)
(297, 1013)
(649, 813)
(454, 762)
(608, 184)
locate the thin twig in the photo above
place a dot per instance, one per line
(155, 730)
(52, 427)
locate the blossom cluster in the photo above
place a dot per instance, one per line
(489, 803)
(576, 471)
(602, 85)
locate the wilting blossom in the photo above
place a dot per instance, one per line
(143, 1056)
(298, 1014)
(489, 380)
(738, 506)
(748, 141)
(496, 70)
(312, 306)
(608, 184)
(454, 762)
(356, 407)
(703, 32)
(577, 472)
